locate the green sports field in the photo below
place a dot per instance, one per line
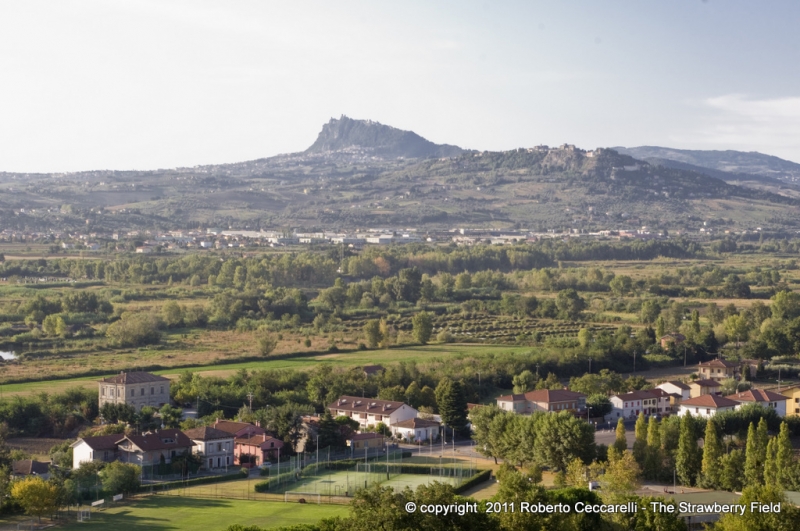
(162, 513)
(341, 483)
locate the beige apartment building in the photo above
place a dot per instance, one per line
(137, 389)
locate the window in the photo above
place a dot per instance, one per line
(152, 390)
(133, 392)
(219, 447)
(142, 392)
(708, 411)
(102, 391)
(272, 445)
(162, 389)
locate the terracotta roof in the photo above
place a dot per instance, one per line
(675, 336)
(372, 369)
(416, 423)
(27, 467)
(707, 383)
(757, 395)
(718, 363)
(366, 405)
(100, 442)
(159, 440)
(709, 401)
(679, 385)
(648, 394)
(234, 427)
(261, 440)
(206, 433)
(134, 378)
(543, 395)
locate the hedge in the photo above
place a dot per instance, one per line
(480, 477)
(263, 486)
(196, 481)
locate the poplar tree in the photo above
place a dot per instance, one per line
(640, 444)
(753, 474)
(621, 441)
(654, 460)
(771, 464)
(687, 457)
(784, 457)
(712, 451)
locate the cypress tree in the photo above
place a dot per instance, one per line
(653, 456)
(687, 457)
(784, 457)
(771, 464)
(753, 474)
(640, 444)
(712, 451)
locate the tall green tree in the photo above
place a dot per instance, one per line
(524, 382)
(372, 332)
(640, 443)
(687, 457)
(753, 465)
(422, 327)
(562, 437)
(771, 464)
(654, 458)
(621, 440)
(712, 452)
(785, 458)
(452, 404)
(329, 434)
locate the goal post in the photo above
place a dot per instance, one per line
(84, 515)
(302, 497)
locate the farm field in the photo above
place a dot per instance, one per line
(342, 359)
(168, 513)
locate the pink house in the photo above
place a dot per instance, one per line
(259, 449)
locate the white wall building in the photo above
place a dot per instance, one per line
(678, 388)
(765, 398)
(371, 411)
(706, 406)
(213, 445)
(416, 429)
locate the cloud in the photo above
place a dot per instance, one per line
(735, 121)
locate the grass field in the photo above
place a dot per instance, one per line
(346, 359)
(341, 482)
(161, 513)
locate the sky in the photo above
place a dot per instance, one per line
(146, 84)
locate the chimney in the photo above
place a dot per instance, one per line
(264, 435)
(258, 423)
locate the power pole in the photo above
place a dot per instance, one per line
(250, 396)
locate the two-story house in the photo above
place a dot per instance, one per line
(706, 406)
(704, 387)
(371, 411)
(100, 448)
(676, 387)
(792, 395)
(630, 405)
(215, 446)
(763, 397)
(257, 449)
(153, 448)
(552, 400)
(137, 389)
(718, 370)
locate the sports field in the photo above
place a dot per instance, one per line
(341, 483)
(162, 513)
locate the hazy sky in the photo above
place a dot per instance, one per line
(155, 83)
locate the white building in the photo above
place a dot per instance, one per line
(765, 398)
(706, 406)
(677, 388)
(370, 411)
(101, 448)
(416, 429)
(214, 446)
(630, 405)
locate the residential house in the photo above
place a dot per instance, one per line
(553, 400)
(792, 395)
(30, 467)
(371, 411)
(360, 441)
(416, 429)
(763, 397)
(707, 406)
(100, 448)
(672, 339)
(214, 446)
(137, 389)
(704, 387)
(372, 370)
(256, 450)
(676, 387)
(718, 370)
(153, 448)
(630, 405)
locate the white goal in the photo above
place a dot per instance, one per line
(84, 515)
(303, 497)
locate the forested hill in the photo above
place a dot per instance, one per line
(377, 139)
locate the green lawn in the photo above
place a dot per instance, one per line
(159, 513)
(344, 359)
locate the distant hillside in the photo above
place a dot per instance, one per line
(727, 161)
(381, 140)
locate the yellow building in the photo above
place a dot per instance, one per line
(792, 395)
